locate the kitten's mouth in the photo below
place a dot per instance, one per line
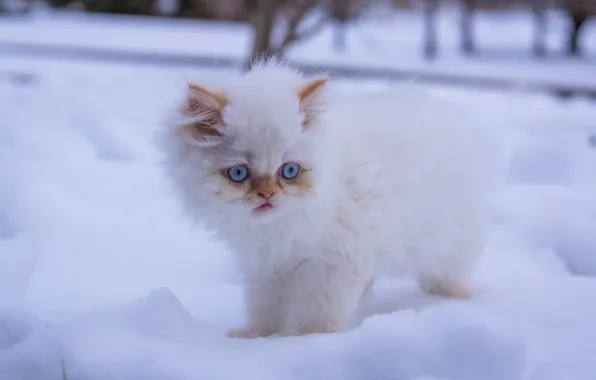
(263, 207)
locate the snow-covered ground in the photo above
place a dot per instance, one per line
(386, 40)
(99, 271)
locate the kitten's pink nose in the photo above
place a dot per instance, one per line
(266, 193)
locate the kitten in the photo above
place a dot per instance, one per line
(318, 195)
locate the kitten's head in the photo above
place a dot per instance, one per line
(250, 148)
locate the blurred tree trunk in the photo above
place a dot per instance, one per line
(467, 34)
(578, 20)
(185, 7)
(539, 11)
(430, 32)
(340, 13)
(263, 21)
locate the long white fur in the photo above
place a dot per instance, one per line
(399, 189)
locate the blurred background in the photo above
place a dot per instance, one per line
(547, 46)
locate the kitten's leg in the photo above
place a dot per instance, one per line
(452, 288)
(367, 290)
(446, 272)
(324, 304)
(264, 308)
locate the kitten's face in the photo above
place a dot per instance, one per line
(262, 183)
(254, 159)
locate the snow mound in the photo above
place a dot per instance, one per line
(155, 337)
(101, 275)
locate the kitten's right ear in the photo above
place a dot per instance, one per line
(312, 100)
(203, 110)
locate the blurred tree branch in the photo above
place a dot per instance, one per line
(269, 17)
(292, 34)
(286, 20)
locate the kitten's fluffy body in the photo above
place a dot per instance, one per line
(395, 186)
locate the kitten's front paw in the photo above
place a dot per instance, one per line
(445, 289)
(318, 326)
(244, 333)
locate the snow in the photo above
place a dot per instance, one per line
(101, 272)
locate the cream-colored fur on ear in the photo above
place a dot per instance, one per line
(312, 100)
(203, 110)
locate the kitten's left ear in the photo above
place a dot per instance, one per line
(204, 108)
(312, 100)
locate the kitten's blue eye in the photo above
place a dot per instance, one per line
(238, 173)
(290, 170)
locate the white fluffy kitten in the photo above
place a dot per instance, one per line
(319, 195)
